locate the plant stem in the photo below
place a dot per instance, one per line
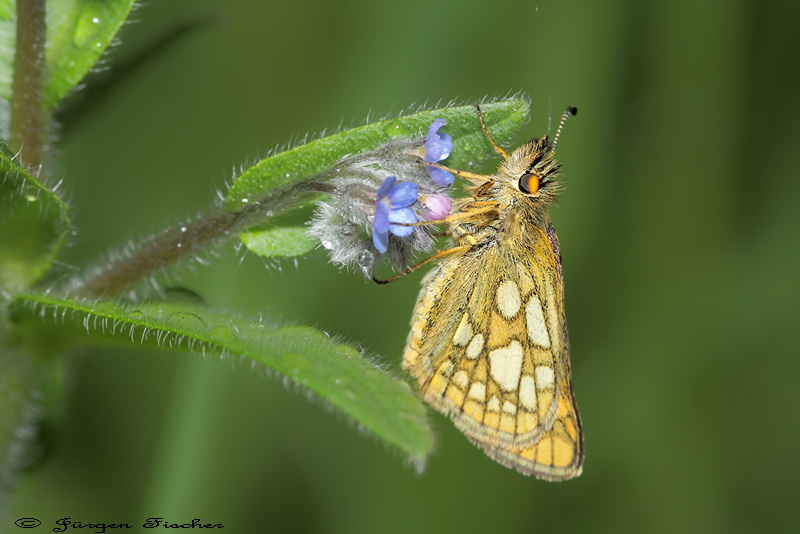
(187, 239)
(30, 123)
(162, 250)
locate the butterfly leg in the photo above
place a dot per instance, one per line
(474, 210)
(441, 254)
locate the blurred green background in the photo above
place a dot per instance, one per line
(679, 229)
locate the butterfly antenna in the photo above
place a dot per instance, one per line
(488, 135)
(569, 112)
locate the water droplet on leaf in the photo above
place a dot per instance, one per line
(87, 25)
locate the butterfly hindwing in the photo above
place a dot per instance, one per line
(488, 347)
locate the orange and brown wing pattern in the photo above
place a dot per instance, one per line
(557, 455)
(488, 347)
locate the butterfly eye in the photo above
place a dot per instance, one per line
(529, 183)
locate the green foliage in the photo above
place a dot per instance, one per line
(78, 32)
(34, 224)
(284, 235)
(335, 372)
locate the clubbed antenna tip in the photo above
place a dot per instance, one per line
(571, 111)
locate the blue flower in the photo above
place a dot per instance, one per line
(437, 147)
(392, 206)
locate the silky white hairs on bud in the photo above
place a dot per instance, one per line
(343, 222)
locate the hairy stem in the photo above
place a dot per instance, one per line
(187, 239)
(29, 119)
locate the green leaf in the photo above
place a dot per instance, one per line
(34, 224)
(503, 118)
(78, 32)
(285, 235)
(335, 372)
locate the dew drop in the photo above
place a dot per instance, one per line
(87, 26)
(366, 259)
(186, 321)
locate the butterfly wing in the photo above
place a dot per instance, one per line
(488, 347)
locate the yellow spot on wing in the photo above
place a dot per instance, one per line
(455, 395)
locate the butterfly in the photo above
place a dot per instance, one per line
(488, 344)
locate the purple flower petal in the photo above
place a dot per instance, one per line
(381, 241)
(380, 223)
(405, 216)
(440, 176)
(434, 148)
(391, 206)
(403, 195)
(385, 187)
(447, 141)
(437, 146)
(436, 125)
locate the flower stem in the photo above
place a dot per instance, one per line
(30, 122)
(162, 250)
(190, 238)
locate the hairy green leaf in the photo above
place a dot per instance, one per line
(78, 32)
(33, 224)
(335, 372)
(284, 235)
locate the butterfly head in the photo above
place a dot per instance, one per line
(531, 171)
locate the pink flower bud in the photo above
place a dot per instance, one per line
(437, 206)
